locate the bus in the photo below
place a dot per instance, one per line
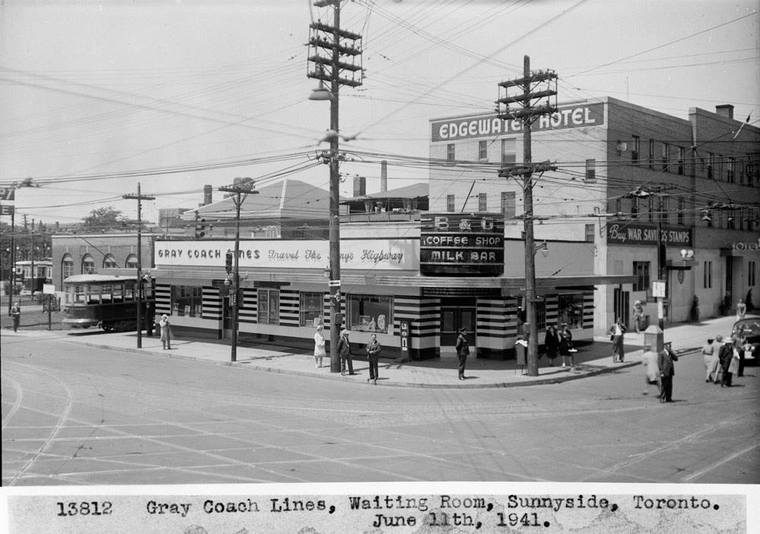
(106, 301)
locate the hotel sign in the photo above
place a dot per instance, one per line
(462, 244)
(490, 125)
(367, 254)
(646, 234)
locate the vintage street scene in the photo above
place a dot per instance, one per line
(381, 241)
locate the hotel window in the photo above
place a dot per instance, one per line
(312, 308)
(651, 153)
(88, 264)
(508, 207)
(450, 203)
(67, 267)
(482, 202)
(368, 313)
(641, 275)
(751, 273)
(730, 168)
(590, 171)
(482, 150)
(681, 159)
(618, 205)
(636, 149)
(589, 232)
(681, 210)
(707, 274)
(269, 306)
(665, 157)
(109, 262)
(450, 152)
(508, 150)
(635, 208)
(664, 210)
(710, 165)
(650, 209)
(131, 262)
(186, 301)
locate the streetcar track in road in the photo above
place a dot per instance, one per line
(54, 432)
(720, 463)
(19, 395)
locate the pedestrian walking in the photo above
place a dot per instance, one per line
(735, 365)
(319, 347)
(638, 316)
(551, 344)
(166, 332)
(463, 350)
(344, 349)
(373, 354)
(726, 355)
(566, 347)
(741, 310)
(651, 368)
(718, 373)
(16, 315)
(667, 371)
(710, 357)
(617, 331)
(745, 348)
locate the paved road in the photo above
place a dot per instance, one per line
(79, 415)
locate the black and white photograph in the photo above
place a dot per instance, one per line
(380, 266)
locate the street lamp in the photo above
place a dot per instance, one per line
(241, 188)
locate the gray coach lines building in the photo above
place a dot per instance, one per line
(625, 174)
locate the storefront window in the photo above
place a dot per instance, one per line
(269, 306)
(311, 309)
(186, 301)
(570, 310)
(369, 314)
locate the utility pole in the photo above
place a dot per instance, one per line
(240, 191)
(139, 197)
(8, 194)
(334, 56)
(530, 105)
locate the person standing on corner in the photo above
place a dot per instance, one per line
(617, 331)
(638, 315)
(319, 347)
(16, 315)
(463, 349)
(344, 349)
(566, 348)
(166, 332)
(667, 370)
(551, 344)
(726, 355)
(373, 353)
(741, 310)
(710, 356)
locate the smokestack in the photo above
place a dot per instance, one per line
(360, 186)
(725, 110)
(207, 193)
(383, 176)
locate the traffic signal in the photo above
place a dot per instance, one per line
(228, 262)
(200, 226)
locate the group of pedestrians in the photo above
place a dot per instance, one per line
(560, 343)
(723, 360)
(372, 349)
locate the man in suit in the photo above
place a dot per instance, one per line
(463, 349)
(667, 370)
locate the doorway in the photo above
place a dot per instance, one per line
(455, 316)
(226, 318)
(621, 306)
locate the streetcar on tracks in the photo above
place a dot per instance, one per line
(106, 301)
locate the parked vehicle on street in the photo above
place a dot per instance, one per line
(106, 301)
(747, 331)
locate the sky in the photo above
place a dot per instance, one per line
(96, 96)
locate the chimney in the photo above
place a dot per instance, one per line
(207, 194)
(360, 186)
(383, 176)
(725, 110)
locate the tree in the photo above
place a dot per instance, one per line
(107, 218)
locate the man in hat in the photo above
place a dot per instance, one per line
(166, 335)
(16, 315)
(344, 349)
(463, 349)
(667, 370)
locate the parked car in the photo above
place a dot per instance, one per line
(747, 331)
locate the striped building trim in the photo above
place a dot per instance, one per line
(551, 310)
(326, 310)
(491, 318)
(290, 302)
(248, 311)
(211, 307)
(588, 309)
(163, 293)
(423, 313)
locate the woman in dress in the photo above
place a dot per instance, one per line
(551, 344)
(319, 347)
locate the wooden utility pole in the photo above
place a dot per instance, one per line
(335, 57)
(139, 197)
(529, 108)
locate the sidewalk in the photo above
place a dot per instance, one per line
(592, 359)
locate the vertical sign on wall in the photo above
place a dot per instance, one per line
(405, 329)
